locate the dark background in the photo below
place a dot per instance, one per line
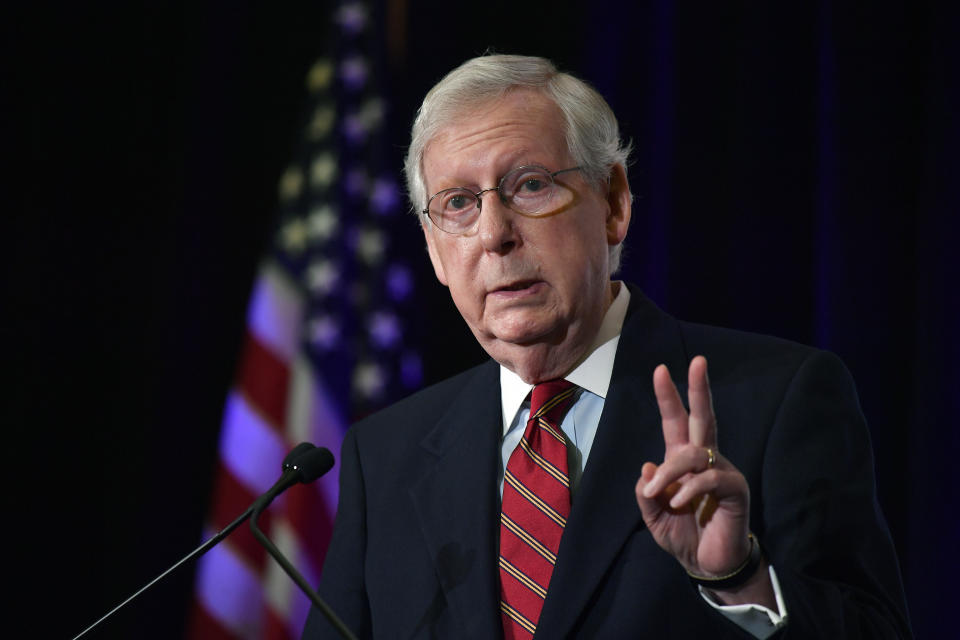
(796, 172)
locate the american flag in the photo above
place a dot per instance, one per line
(326, 342)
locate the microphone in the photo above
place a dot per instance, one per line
(305, 463)
(295, 453)
(313, 464)
(308, 467)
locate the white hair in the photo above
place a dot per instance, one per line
(591, 130)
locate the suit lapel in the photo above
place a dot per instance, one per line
(457, 502)
(604, 512)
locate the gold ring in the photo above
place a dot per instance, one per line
(711, 458)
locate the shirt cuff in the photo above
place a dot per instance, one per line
(755, 619)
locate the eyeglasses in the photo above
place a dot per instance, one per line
(529, 190)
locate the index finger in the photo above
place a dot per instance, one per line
(703, 422)
(672, 412)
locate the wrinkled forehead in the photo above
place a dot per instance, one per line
(522, 125)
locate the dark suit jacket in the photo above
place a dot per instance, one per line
(414, 548)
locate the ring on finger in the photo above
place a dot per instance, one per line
(711, 458)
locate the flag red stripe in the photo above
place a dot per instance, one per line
(232, 500)
(203, 626)
(263, 378)
(275, 627)
(312, 518)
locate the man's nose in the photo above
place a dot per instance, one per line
(496, 225)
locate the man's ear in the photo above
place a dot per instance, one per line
(428, 232)
(619, 201)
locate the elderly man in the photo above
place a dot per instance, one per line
(521, 496)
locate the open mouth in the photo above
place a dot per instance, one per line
(518, 286)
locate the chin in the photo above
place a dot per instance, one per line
(523, 333)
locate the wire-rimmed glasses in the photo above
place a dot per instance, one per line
(529, 190)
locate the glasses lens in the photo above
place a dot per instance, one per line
(528, 189)
(454, 210)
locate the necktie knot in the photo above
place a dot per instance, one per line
(551, 399)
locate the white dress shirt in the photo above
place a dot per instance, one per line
(580, 424)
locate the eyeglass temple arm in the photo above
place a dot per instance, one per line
(556, 173)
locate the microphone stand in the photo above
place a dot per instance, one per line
(296, 576)
(199, 551)
(304, 464)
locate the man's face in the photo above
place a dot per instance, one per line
(532, 290)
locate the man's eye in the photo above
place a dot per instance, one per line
(457, 202)
(532, 185)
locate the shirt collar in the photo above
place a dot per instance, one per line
(593, 373)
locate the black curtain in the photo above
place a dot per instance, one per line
(795, 173)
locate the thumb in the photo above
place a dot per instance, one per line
(649, 507)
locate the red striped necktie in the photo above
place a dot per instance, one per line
(536, 503)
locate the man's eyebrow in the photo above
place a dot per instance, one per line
(505, 164)
(441, 184)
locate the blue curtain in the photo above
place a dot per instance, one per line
(796, 173)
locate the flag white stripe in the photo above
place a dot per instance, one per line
(282, 594)
(276, 310)
(249, 447)
(230, 591)
(312, 416)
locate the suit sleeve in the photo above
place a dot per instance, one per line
(342, 583)
(823, 528)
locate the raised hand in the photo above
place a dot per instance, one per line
(696, 504)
